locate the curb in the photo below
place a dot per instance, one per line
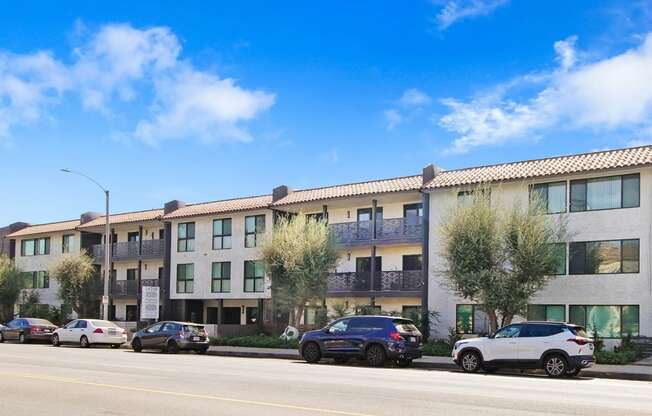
(250, 354)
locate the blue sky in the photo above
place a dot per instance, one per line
(204, 101)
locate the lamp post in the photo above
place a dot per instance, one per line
(107, 245)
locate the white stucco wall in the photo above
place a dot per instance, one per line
(602, 289)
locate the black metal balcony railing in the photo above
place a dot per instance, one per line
(131, 250)
(391, 230)
(386, 281)
(129, 288)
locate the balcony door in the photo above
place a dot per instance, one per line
(364, 221)
(363, 272)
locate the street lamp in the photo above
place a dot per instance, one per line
(107, 245)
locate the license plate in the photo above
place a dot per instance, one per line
(195, 338)
(46, 330)
(413, 339)
(112, 332)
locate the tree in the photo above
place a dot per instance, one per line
(299, 256)
(80, 285)
(11, 283)
(499, 258)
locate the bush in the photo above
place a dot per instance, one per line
(255, 341)
(616, 357)
(438, 348)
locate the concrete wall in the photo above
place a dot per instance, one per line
(602, 289)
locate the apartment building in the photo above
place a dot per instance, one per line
(604, 279)
(380, 230)
(216, 274)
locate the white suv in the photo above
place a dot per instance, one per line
(560, 349)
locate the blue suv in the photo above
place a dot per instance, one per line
(373, 338)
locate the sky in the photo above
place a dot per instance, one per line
(199, 101)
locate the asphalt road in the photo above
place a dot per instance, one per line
(39, 379)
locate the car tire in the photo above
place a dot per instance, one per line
(341, 360)
(375, 355)
(2, 337)
(573, 372)
(115, 346)
(403, 363)
(311, 352)
(55, 340)
(136, 345)
(83, 342)
(172, 348)
(470, 361)
(555, 365)
(22, 339)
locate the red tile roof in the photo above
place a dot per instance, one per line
(125, 218)
(51, 227)
(219, 207)
(407, 183)
(553, 166)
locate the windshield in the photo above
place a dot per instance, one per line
(103, 324)
(34, 321)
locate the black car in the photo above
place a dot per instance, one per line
(171, 337)
(373, 338)
(26, 330)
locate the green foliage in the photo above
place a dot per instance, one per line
(31, 306)
(80, 285)
(299, 256)
(496, 257)
(340, 310)
(11, 284)
(255, 341)
(438, 348)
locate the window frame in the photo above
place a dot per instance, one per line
(566, 259)
(222, 236)
(253, 278)
(187, 238)
(34, 277)
(35, 251)
(416, 206)
(222, 278)
(255, 232)
(547, 185)
(570, 251)
(586, 192)
(185, 279)
(546, 306)
(620, 308)
(474, 306)
(67, 243)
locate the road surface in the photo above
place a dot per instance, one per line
(44, 380)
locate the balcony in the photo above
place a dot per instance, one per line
(388, 231)
(129, 288)
(131, 250)
(389, 283)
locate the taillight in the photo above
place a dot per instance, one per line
(395, 336)
(580, 341)
(98, 331)
(34, 329)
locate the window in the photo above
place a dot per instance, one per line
(67, 243)
(471, 319)
(131, 313)
(511, 331)
(254, 230)
(186, 237)
(605, 193)
(254, 276)
(35, 247)
(221, 277)
(559, 253)
(339, 327)
(540, 330)
(368, 310)
(413, 210)
(185, 278)
(133, 236)
(603, 257)
(317, 216)
(412, 262)
(222, 234)
(552, 313)
(364, 214)
(608, 321)
(551, 197)
(466, 197)
(412, 312)
(36, 280)
(131, 275)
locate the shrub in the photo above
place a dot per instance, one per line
(437, 348)
(255, 341)
(616, 357)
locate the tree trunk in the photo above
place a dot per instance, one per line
(507, 319)
(493, 320)
(299, 314)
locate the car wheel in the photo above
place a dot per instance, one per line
(311, 352)
(55, 340)
(115, 346)
(83, 342)
(375, 355)
(403, 363)
(341, 360)
(136, 345)
(555, 365)
(470, 361)
(172, 348)
(574, 372)
(22, 339)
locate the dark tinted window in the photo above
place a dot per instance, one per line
(405, 326)
(13, 324)
(540, 330)
(82, 324)
(39, 322)
(154, 328)
(170, 327)
(366, 324)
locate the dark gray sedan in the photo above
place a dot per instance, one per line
(171, 337)
(26, 330)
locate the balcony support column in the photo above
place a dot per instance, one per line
(372, 274)
(374, 208)
(140, 240)
(324, 212)
(139, 290)
(425, 264)
(220, 313)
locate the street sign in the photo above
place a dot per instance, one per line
(149, 303)
(105, 300)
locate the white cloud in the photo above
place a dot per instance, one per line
(455, 10)
(393, 118)
(612, 93)
(414, 98)
(119, 63)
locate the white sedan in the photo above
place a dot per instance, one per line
(87, 332)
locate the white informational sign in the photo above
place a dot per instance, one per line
(149, 303)
(105, 300)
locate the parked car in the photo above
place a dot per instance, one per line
(87, 332)
(26, 330)
(559, 349)
(171, 337)
(373, 338)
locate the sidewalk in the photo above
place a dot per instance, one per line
(622, 372)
